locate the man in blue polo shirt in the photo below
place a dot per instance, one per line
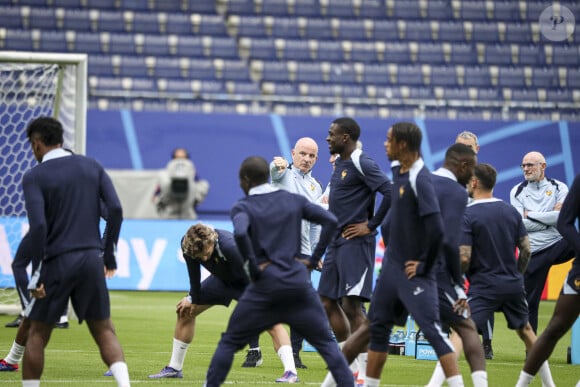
(568, 304)
(407, 281)
(491, 231)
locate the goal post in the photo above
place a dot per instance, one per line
(32, 84)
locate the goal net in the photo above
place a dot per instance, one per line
(32, 85)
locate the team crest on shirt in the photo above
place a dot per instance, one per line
(312, 187)
(549, 193)
(577, 283)
(343, 174)
(401, 191)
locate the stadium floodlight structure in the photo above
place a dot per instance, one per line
(32, 84)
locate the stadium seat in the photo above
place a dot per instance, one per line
(174, 86)
(220, 47)
(133, 5)
(101, 65)
(353, 29)
(123, 44)
(520, 33)
(279, 88)
(430, 53)
(286, 28)
(320, 90)
(243, 88)
(445, 76)
(209, 86)
(404, 9)
(238, 7)
(211, 25)
(451, 31)
(178, 68)
(558, 95)
(146, 23)
(385, 30)
(487, 94)
(68, 4)
(189, 46)
(232, 70)
(88, 42)
(439, 10)
(409, 75)
(201, 69)
(453, 94)
(53, 41)
(309, 72)
(477, 76)
(353, 91)
(373, 9)
(293, 49)
(257, 48)
(307, 8)
(397, 52)
(179, 24)
(363, 52)
(543, 77)
(471, 10)
(318, 29)
(573, 78)
(417, 30)
(194, 6)
(252, 26)
(498, 54)
(19, 40)
(487, 32)
(532, 9)
(11, 17)
(41, 18)
(566, 55)
(337, 8)
(158, 45)
(530, 54)
(274, 71)
(133, 66)
(330, 50)
(105, 84)
(273, 7)
(36, 3)
(343, 73)
(376, 74)
(78, 20)
(110, 21)
(511, 77)
(506, 10)
(523, 95)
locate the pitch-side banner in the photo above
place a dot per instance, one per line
(149, 256)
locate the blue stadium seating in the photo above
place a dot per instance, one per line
(243, 88)
(234, 70)
(523, 95)
(18, 40)
(430, 53)
(147, 23)
(170, 68)
(418, 30)
(330, 50)
(293, 49)
(88, 42)
(511, 77)
(410, 75)
(213, 25)
(275, 72)
(77, 20)
(318, 29)
(544, 77)
(520, 33)
(352, 29)
(157, 45)
(373, 9)
(275, 8)
(307, 8)
(53, 41)
(111, 21)
(195, 6)
(385, 30)
(566, 55)
(558, 95)
(190, 46)
(477, 76)
(134, 5)
(573, 78)
(506, 10)
(252, 26)
(451, 31)
(221, 47)
(42, 18)
(487, 32)
(70, 4)
(443, 76)
(202, 69)
(342, 73)
(472, 10)
(123, 44)
(376, 74)
(179, 24)
(498, 54)
(101, 65)
(264, 49)
(404, 9)
(280, 88)
(364, 52)
(439, 10)
(239, 7)
(287, 28)
(310, 72)
(133, 66)
(339, 9)
(530, 54)
(11, 17)
(397, 52)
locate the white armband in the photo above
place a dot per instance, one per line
(460, 293)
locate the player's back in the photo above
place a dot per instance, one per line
(71, 190)
(494, 228)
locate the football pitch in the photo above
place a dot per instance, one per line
(145, 321)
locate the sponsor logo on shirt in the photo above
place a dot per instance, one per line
(418, 290)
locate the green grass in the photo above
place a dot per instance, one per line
(145, 322)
